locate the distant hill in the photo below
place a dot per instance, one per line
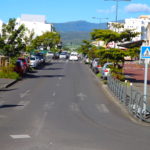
(78, 26)
(77, 31)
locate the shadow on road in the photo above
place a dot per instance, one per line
(9, 106)
(42, 76)
(7, 90)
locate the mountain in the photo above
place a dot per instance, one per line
(78, 26)
(75, 32)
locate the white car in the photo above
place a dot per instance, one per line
(106, 70)
(73, 57)
(63, 55)
(34, 61)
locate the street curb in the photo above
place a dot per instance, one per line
(116, 101)
(10, 84)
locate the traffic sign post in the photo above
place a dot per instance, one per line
(145, 54)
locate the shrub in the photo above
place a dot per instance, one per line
(8, 72)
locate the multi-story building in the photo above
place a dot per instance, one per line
(137, 25)
(36, 24)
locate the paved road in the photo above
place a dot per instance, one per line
(62, 107)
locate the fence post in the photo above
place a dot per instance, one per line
(125, 92)
(131, 100)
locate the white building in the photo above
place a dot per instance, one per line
(35, 23)
(1, 24)
(137, 24)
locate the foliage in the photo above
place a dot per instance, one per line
(11, 39)
(28, 40)
(85, 47)
(105, 35)
(8, 72)
(110, 36)
(47, 40)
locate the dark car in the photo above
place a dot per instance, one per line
(20, 68)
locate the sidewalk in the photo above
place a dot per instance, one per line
(4, 83)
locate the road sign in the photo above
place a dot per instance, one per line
(145, 52)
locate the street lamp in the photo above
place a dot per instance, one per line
(117, 5)
(99, 19)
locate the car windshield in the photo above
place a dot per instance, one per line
(32, 58)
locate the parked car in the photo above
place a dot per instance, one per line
(63, 55)
(25, 62)
(86, 60)
(34, 61)
(50, 55)
(56, 56)
(41, 57)
(95, 65)
(20, 68)
(105, 71)
(73, 57)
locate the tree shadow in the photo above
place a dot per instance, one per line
(9, 106)
(7, 90)
(52, 68)
(42, 76)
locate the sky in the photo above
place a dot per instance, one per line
(60, 11)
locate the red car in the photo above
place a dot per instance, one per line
(25, 62)
(20, 67)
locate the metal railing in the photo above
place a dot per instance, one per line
(131, 98)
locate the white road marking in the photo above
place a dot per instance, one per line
(22, 105)
(49, 105)
(74, 107)
(102, 108)
(20, 136)
(54, 94)
(41, 124)
(22, 95)
(81, 96)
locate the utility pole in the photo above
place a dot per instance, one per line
(117, 6)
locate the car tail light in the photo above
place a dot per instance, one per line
(98, 66)
(106, 70)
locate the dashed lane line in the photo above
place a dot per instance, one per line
(20, 136)
(102, 108)
(22, 95)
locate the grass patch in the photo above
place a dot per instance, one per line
(8, 72)
(9, 75)
(99, 75)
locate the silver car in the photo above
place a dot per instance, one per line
(106, 70)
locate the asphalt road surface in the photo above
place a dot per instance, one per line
(62, 107)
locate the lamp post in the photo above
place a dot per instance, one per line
(117, 6)
(99, 20)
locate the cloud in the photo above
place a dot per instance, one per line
(133, 8)
(107, 11)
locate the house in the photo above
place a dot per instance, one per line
(35, 23)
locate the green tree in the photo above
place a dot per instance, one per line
(47, 40)
(11, 39)
(28, 40)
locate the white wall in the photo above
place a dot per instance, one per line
(39, 27)
(1, 23)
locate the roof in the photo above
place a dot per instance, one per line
(132, 44)
(33, 18)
